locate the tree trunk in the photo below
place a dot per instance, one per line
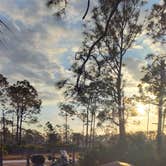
(83, 128)
(13, 128)
(163, 127)
(87, 128)
(94, 125)
(122, 128)
(20, 129)
(83, 132)
(4, 126)
(159, 130)
(1, 155)
(66, 129)
(148, 122)
(91, 130)
(160, 107)
(17, 126)
(122, 133)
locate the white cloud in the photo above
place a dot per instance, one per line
(136, 46)
(155, 48)
(38, 46)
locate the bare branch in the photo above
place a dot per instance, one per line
(87, 9)
(96, 42)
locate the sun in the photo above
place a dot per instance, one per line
(141, 108)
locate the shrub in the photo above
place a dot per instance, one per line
(37, 159)
(138, 151)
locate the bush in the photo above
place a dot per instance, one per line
(37, 159)
(21, 149)
(138, 151)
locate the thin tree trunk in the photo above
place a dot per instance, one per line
(159, 130)
(83, 128)
(91, 130)
(66, 129)
(160, 107)
(13, 128)
(20, 127)
(163, 121)
(148, 121)
(83, 131)
(87, 128)
(1, 152)
(4, 126)
(94, 125)
(120, 104)
(17, 126)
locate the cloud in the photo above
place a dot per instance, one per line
(136, 46)
(156, 48)
(133, 66)
(132, 74)
(38, 48)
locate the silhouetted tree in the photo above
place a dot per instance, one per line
(66, 110)
(53, 137)
(33, 137)
(62, 4)
(26, 103)
(110, 50)
(3, 103)
(157, 24)
(155, 77)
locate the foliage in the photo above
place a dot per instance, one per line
(157, 24)
(32, 137)
(155, 72)
(139, 151)
(21, 149)
(52, 136)
(4, 105)
(155, 78)
(26, 104)
(105, 62)
(25, 98)
(57, 3)
(37, 159)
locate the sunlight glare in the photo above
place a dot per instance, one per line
(141, 108)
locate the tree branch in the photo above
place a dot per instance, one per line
(96, 42)
(87, 9)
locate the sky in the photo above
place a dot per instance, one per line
(40, 49)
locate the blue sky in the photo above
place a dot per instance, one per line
(41, 49)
